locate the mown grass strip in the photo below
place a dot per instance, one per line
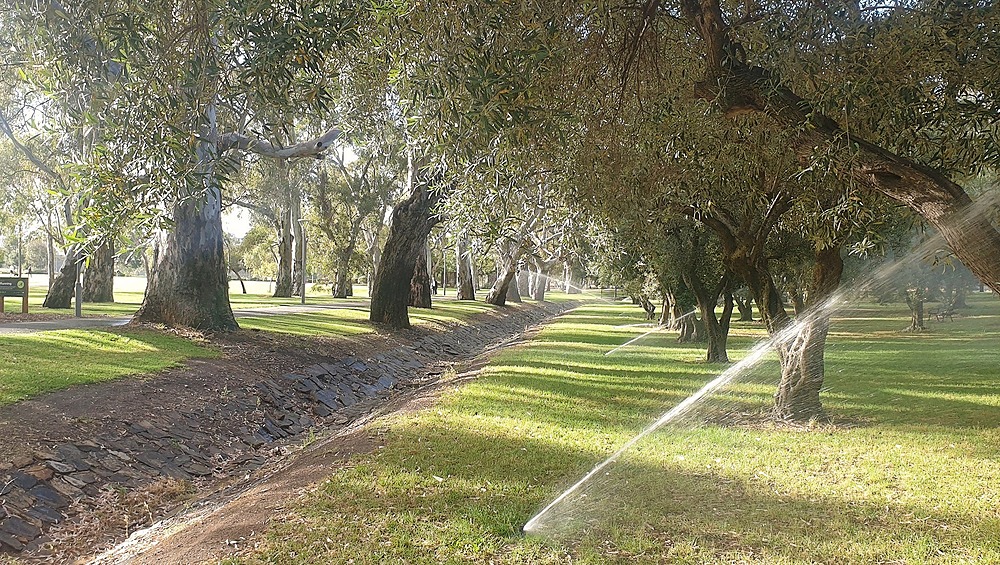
(31, 364)
(909, 476)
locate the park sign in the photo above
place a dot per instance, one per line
(14, 287)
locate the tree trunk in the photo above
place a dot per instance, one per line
(420, 284)
(715, 331)
(99, 277)
(915, 301)
(538, 294)
(569, 276)
(61, 290)
(522, 282)
(283, 282)
(463, 270)
(498, 293)
(959, 301)
(513, 290)
(189, 286)
(50, 255)
(342, 287)
(798, 302)
(340, 283)
(802, 363)
(298, 237)
(239, 277)
(412, 221)
(684, 322)
(666, 310)
(745, 307)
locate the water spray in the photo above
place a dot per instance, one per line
(754, 356)
(654, 330)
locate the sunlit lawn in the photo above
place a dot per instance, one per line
(908, 475)
(129, 292)
(32, 364)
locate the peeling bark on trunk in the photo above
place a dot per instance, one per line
(189, 286)
(412, 221)
(283, 282)
(802, 363)
(463, 270)
(99, 277)
(420, 284)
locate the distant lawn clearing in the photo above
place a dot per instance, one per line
(31, 364)
(911, 475)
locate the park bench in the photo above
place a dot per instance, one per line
(944, 312)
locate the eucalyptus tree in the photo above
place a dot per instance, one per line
(346, 196)
(474, 76)
(191, 84)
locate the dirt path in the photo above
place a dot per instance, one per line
(209, 410)
(228, 524)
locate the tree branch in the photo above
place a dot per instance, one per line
(28, 153)
(312, 148)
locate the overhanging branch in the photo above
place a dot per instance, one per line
(237, 141)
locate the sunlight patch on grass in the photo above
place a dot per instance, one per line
(31, 364)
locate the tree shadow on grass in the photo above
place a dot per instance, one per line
(437, 491)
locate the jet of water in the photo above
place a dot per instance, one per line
(654, 330)
(837, 300)
(753, 357)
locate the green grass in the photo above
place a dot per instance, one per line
(129, 292)
(31, 364)
(352, 318)
(909, 477)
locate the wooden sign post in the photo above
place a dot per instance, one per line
(14, 287)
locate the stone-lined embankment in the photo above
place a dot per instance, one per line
(236, 433)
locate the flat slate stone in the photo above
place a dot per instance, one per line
(10, 541)
(198, 470)
(151, 458)
(45, 514)
(61, 467)
(19, 528)
(49, 495)
(23, 480)
(65, 488)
